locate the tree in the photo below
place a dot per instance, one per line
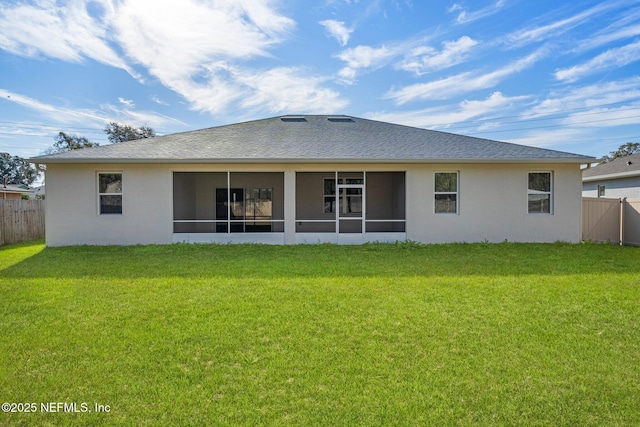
(16, 170)
(120, 133)
(64, 142)
(623, 151)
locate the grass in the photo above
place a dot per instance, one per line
(464, 334)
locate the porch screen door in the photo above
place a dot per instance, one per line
(350, 207)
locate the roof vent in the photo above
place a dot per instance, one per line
(293, 119)
(341, 119)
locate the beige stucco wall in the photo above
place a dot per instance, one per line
(493, 202)
(493, 205)
(72, 206)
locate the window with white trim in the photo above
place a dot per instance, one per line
(446, 192)
(109, 193)
(540, 192)
(601, 190)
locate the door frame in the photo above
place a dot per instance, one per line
(350, 237)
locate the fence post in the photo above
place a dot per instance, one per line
(623, 203)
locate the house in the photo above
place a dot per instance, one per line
(312, 179)
(12, 192)
(616, 179)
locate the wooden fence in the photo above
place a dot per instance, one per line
(615, 221)
(21, 220)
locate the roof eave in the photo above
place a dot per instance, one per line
(11, 191)
(611, 176)
(578, 160)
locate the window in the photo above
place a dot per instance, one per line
(350, 198)
(329, 196)
(251, 209)
(258, 208)
(446, 192)
(110, 193)
(601, 190)
(539, 192)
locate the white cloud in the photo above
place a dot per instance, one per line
(64, 32)
(580, 114)
(465, 16)
(555, 29)
(289, 89)
(276, 90)
(197, 50)
(126, 102)
(585, 97)
(612, 58)
(364, 57)
(192, 47)
(604, 117)
(337, 30)
(176, 40)
(550, 138)
(425, 59)
(85, 116)
(57, 113)
(625, 26)
(601, 105)
(159, 101)
(462, 83)
(444, 117)
(623, 33)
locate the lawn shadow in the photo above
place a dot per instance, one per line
(371, 260)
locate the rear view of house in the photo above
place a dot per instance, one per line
(311, 179)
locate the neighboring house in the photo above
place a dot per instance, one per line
(12, 192)
(616, 179)
(310, 179)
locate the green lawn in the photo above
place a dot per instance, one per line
(465, 334)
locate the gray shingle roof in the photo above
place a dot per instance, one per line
(14, 189)
(312, 138)
(624, 166)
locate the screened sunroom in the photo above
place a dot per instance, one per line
(228, 206)
(330, 207)
(350, 207)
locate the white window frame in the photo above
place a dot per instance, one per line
(550, 192)
(604, 189)
(325, 195)
(98, 210)
(342, 181)
(457, 193)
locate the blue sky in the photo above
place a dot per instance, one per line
(560, 74)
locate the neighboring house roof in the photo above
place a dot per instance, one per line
(39, 191)
(312, 138)
(619, 168)
(14, 189)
